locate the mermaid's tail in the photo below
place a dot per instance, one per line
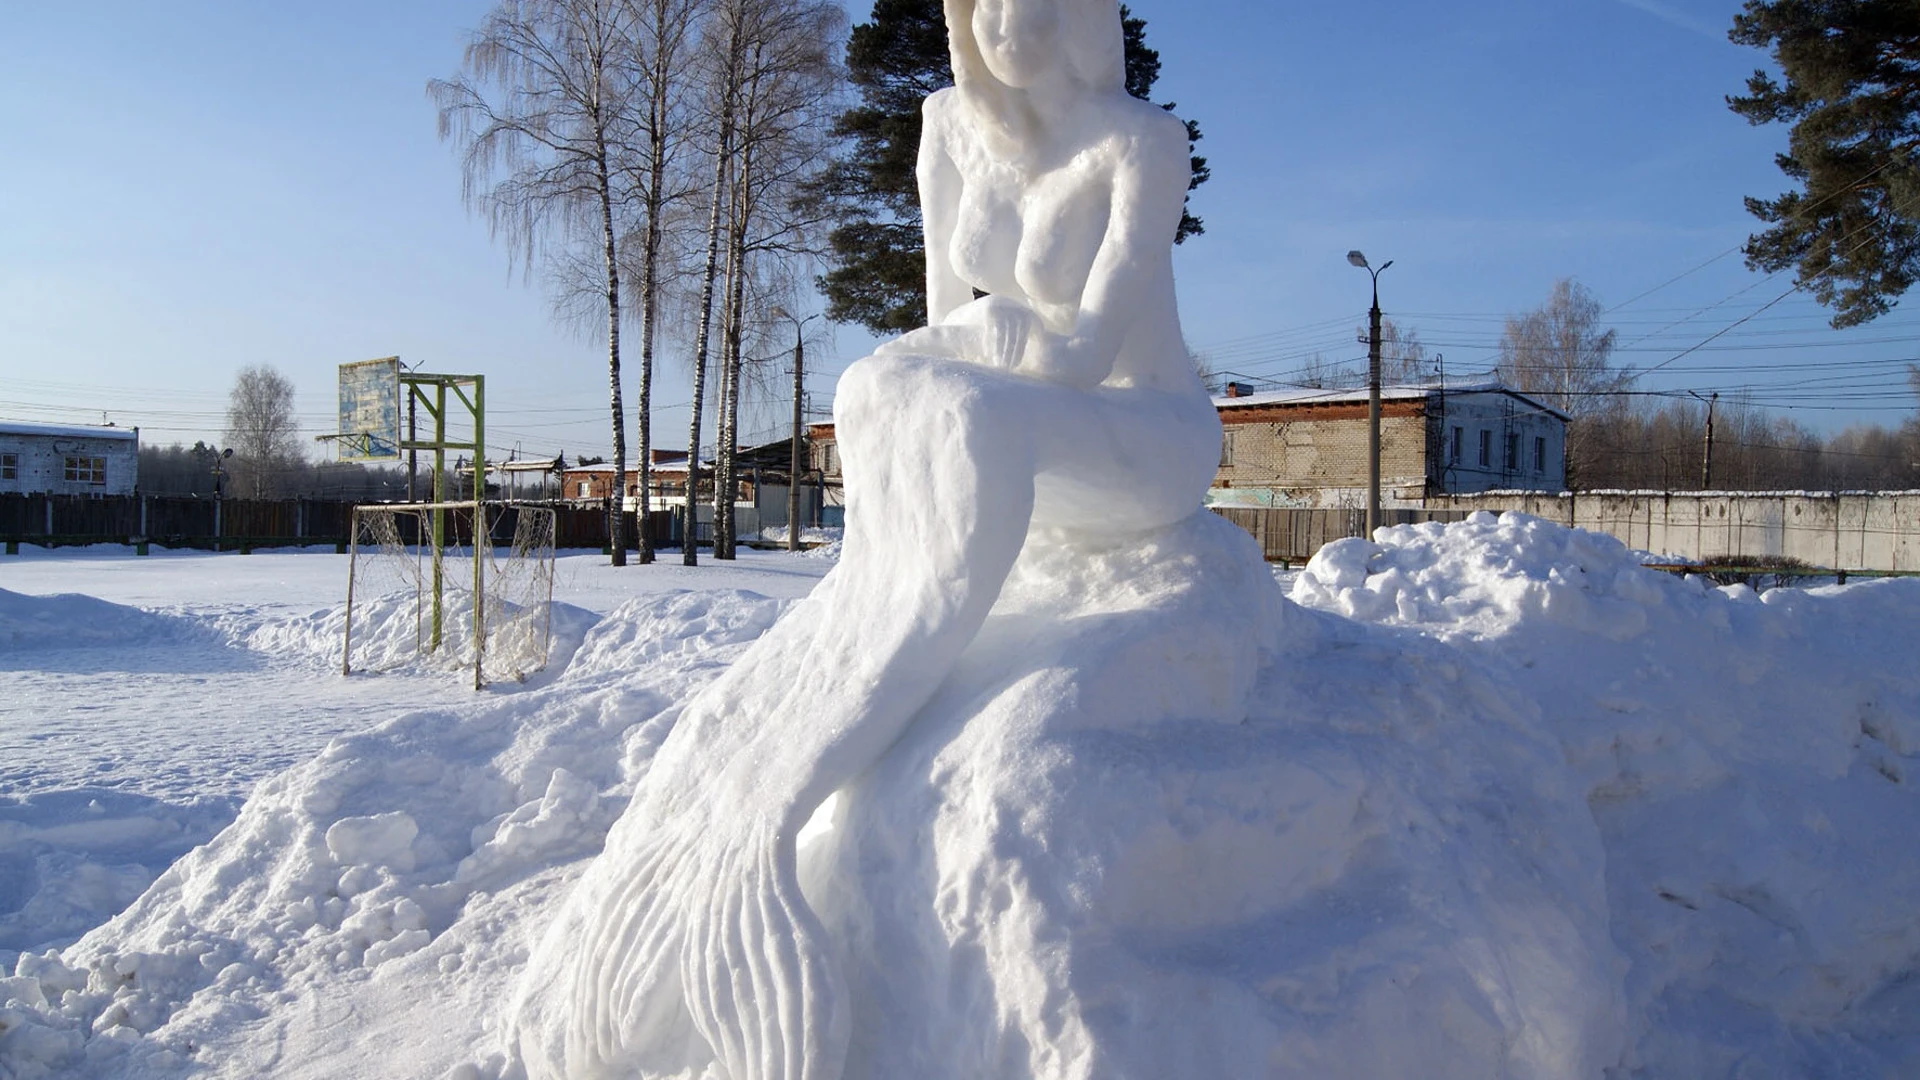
(755, 967)
(687, 945)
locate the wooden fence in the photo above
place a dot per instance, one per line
(186, 521)
(1290, 536)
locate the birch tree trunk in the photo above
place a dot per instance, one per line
(726, 478)
(616, 531)
(722, 157)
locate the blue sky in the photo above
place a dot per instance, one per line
(196, 186)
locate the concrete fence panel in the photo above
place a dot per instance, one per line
(1841, 530)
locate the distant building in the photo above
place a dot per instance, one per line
(823, 458)
(64, 459)
(529, 479)
(594, 483)
(760, 486)
(1305, 447)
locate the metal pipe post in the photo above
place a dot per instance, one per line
(1373, 409)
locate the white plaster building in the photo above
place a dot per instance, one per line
(62, 459)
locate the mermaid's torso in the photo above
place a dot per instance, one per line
(1031, 228)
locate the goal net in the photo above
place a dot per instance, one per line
(422, 593)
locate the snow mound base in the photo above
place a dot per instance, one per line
(1118, 845)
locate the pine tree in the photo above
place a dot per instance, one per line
(895, 60)
(1852, 96)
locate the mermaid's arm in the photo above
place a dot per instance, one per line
(1150, 174)
(940, 185)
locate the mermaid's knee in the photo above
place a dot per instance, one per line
(869, 385)
(900, 385)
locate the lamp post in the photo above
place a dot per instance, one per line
(219, 491)
(1373, 391)
(799, 418)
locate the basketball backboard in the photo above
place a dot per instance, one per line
(370, 410)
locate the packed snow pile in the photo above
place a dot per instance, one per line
(1748, 760)
(1488, 576)
(39, 623)
(391, 633)
(1497, 802)
(71, 859)
(413, 847)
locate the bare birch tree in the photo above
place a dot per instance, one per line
(262, 431)
(724, 96)
(1559, 354)
(543, 115)
(785, 80)
(666, 32)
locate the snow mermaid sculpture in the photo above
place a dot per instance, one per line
(1063, 400)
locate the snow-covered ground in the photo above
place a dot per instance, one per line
(1519, 801)
(143, 698)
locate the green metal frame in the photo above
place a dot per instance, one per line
(431, 393)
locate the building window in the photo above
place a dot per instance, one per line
(1486, 449)
(1458, 446)
(1513, 453)
(9, 466)
(586, 490)
(1539, 453)
(86, 470)
(1226, 449)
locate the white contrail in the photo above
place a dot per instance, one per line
(1680, 19)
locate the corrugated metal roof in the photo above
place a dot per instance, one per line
(69, 431)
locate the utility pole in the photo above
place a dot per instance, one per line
(799, 420)
(1373, 391)
(1706, 474)
(1706, 470)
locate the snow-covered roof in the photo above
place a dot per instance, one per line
(1315, 395)
(679, 465)
(527, 465)
(67, 431)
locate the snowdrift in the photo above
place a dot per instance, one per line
(38, 624)
(1497, 803)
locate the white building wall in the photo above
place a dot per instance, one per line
(1524, 447)
(37, 459)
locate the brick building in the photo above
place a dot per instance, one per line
(1307, 447)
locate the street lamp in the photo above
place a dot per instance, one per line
(799, 388)
(219, 494)
(1373, 391)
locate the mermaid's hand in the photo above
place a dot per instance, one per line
(996, 332)
(1010, 329)
(947, 341)
(1069, 361)
(992, 332)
